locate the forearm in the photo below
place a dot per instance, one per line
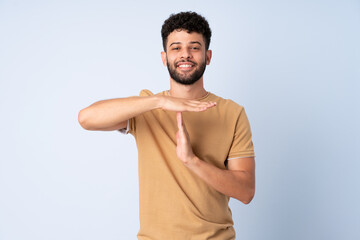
(113, 114)
(236, 184)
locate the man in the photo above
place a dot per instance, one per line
(195, 148)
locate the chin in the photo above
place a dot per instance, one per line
(185, 82)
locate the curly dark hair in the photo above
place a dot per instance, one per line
(190, 21)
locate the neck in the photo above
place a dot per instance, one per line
(193, 91)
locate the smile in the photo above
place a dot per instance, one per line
(185, 65)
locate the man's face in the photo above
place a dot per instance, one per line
(185, 56)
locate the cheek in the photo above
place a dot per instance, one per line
(171, 60)
(202, 59)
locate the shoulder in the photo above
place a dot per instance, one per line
(227, 105)
(146, 93)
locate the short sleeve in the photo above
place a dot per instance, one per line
(131, 123)
(130, 127)
(242, 145)
(125, 130)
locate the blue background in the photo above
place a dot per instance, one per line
(293, 65)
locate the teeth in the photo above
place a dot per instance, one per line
(183, 65)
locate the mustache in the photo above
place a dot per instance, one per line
(176, 63)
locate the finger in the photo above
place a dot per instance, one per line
(197, 108)
(181, 134)
(211, 104)
(181, 125)
(200, 106)
(201, 103)
(179, 120)
(194, 101)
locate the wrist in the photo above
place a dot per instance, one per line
(159, 101)
(192, 161)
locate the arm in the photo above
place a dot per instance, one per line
(237, 182)
(113, 114)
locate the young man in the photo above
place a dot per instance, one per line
(195, 148)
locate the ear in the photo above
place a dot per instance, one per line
(163, 58)
(208, 56)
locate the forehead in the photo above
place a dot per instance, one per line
(183, 37)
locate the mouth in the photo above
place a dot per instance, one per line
(185, 66)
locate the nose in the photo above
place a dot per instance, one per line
(186, 53)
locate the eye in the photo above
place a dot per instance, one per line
(175, 48)
(195, 48)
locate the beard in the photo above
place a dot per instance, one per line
(186, 78)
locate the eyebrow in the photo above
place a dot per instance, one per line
(190, 43)
(196, 42)
(174, 43)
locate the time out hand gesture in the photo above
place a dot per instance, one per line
(183, 149)
(181, 105)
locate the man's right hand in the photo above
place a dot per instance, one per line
(113, 114)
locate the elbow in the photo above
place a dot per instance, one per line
(247, 197)
(83, 119)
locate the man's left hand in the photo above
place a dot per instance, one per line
(183, 148)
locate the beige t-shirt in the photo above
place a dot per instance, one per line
(175, 203)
